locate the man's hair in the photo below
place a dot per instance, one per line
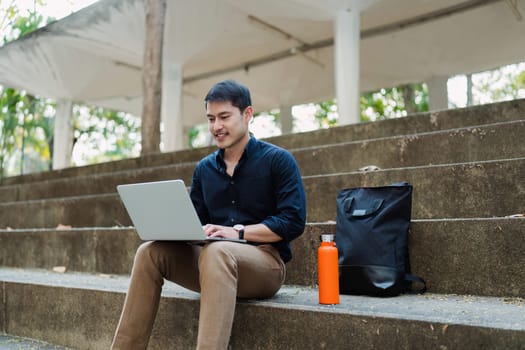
(230, 91)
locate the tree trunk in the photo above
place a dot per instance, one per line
(152, 76)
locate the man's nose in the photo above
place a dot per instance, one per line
(217, 125)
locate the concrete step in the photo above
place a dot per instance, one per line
(94, 184)
(475, 256)
(151, 160)
(479, 189)
(417, 123)
(479, 143)
(81, 311)
(470, 144)
(412, 124)
(464, 190)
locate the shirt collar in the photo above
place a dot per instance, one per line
(248, 150)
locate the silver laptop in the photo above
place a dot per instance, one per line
(163, 211)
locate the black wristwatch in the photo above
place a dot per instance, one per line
(240, 230)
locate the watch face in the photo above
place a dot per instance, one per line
(238, 227)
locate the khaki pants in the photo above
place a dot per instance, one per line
(220, 271)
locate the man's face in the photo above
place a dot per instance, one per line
(226, 123)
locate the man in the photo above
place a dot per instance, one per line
(246, 189)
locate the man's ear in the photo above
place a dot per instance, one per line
(248, 113)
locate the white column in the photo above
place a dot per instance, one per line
(470, 97)
(437, 93)
(172, 137)
(63, 135)
(346, 55)
(286, 119)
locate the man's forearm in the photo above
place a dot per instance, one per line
(260, 233)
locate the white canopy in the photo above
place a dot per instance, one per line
(282, 49)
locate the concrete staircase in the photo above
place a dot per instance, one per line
(468, 171)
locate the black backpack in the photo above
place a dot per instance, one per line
(372, 239)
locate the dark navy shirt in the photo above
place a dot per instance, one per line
(266, 187)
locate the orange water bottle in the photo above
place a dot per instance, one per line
(328, 270)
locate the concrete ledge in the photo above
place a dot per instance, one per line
(481, 143)
(472, 144)
(472, 256)
(81, 311)
(92, 250)
(84, 211)
(412, 124)
(479, 189)
(462, 256)
(466, 190)
(151, 160)
(417, 123)
(93, 184)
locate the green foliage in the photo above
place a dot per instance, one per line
(25, 25)
(198, 136)
(9, 122)
(274, 114)
(17, 24)
(394, 102)
(193, 136)
(24, 126)
(520, 80)
(499, 85)
(21, 115)
(415, 98)
(111, 135)
(378, 105)
(326, 114)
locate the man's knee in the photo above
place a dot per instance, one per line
(143, 251)
(152, 252)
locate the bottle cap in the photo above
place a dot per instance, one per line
(327, 237)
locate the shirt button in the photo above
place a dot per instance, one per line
(232, 183)
(232, 220)
(233, 202)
